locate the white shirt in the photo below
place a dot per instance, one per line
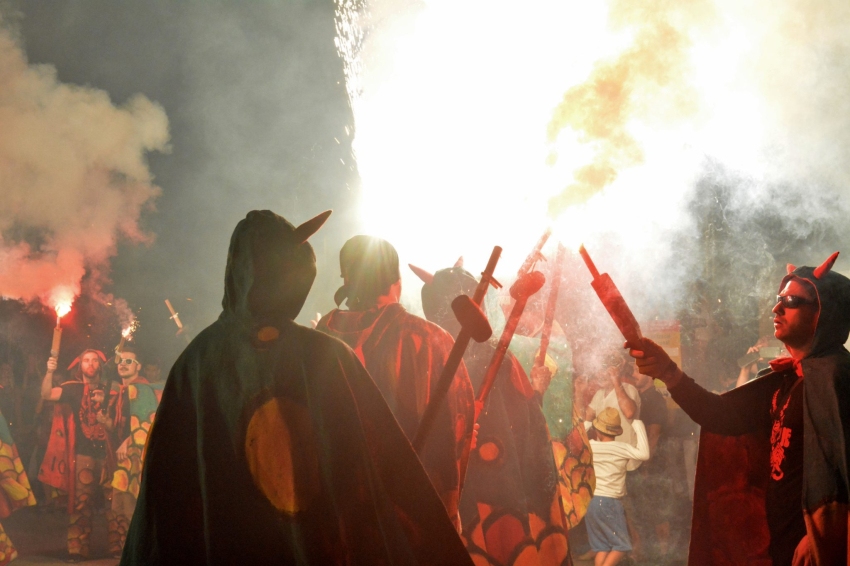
(612, 459)
(601, 401)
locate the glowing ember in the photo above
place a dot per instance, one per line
(128, 331)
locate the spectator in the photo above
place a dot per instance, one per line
(616, 394)
(606, 519)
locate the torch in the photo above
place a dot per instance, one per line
(613, 301)
(61, 310)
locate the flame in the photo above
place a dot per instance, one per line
(127, 331)
(62, 309)
(61, 298)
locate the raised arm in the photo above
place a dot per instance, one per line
(639, 453)
(738, 412)
(48, 392)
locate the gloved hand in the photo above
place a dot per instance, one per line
(652, 360)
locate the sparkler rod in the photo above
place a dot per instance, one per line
(551, 305)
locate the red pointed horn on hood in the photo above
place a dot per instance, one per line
(303, 232)
(459, 262)
(426, 277)
(824, 268)
(790, 268)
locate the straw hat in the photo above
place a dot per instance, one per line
(608, 422)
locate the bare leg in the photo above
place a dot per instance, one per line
(599, 559)
(613, 558)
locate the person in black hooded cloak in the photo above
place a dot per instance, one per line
(510, 508)
(272, 444)
(758, 500)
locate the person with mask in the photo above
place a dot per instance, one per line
(405, 355)
(272, 444)
(757, 499)
(509, 508)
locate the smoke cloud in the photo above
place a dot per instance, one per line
(73, 176)
(648, 81)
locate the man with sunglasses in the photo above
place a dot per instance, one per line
(134, 413)
(757, 499)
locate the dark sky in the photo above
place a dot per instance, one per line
(255, 96)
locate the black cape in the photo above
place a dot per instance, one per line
(729, 520)
(273, 445)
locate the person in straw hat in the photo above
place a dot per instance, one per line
(606, 520)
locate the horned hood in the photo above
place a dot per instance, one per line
(270, 268)
(833, 292)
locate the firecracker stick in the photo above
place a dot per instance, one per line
(426, 423)
(613, 301)
(524, 287)
(551, 306)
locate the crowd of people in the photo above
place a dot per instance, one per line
(271, 442)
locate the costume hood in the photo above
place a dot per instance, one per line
(270, 268)
(438, 294)
(833, 293)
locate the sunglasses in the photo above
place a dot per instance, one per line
(793, 301)
(128, 361)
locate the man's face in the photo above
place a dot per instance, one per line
(152, 372)
(90, 364)
(128, 365)
(795, 327)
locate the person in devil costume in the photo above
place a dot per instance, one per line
(272, 444)
(80, 456)
(510, 509)
(405, 355)
(757, 499)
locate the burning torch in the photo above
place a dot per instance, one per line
(61, 310)
(613, 301)
(551, 305)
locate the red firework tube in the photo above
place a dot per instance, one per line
(535, 253)
(549, 318)
(613, 301)
(521, 291)
(426, 423)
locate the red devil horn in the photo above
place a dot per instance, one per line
(459, 262)
(74, 363)
(303, 232)
(824, 268)
(426, 277)
(790, 268)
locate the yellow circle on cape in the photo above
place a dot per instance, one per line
(280, 448)
(489, 451)
(267, 334)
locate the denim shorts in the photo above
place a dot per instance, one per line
(606, 525)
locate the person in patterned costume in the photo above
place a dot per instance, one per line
(757, 499)
(405, 355)
(272, 444)
(15, 490)
(510, 509)
(134, 414)
(80, 456)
